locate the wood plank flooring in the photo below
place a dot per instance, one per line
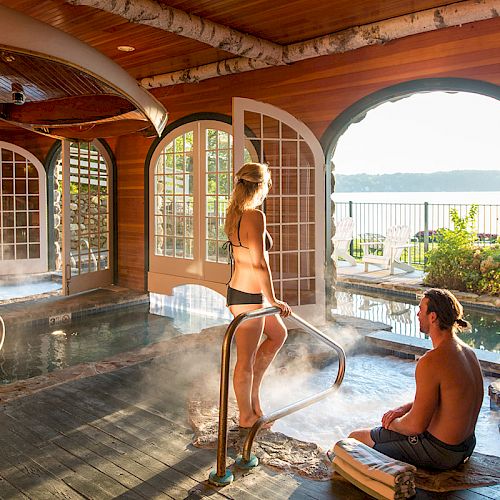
(107, 437)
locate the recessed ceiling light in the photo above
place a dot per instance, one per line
(126, 48)
(7, 57)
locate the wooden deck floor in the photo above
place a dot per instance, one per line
(106, 437)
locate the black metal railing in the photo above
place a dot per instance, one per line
(371, 221)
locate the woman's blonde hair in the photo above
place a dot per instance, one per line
(249, 182)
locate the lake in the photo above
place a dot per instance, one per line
(481, 198)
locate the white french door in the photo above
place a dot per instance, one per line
(23, 212)
(85, 171)
(295, 206)
(190, 182)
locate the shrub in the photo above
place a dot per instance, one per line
(458, 264)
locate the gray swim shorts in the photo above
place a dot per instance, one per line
(423, 450)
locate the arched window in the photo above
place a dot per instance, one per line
(23, 223)
(190, 176)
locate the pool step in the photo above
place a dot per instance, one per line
(490, 361)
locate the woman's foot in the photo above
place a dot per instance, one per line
(248, 423)
(256, 406)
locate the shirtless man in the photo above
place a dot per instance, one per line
(436, 430)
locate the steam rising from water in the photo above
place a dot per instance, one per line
(372, 385)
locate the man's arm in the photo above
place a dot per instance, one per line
(425, 404)
(390, 415)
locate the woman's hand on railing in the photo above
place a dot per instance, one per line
(285, 309)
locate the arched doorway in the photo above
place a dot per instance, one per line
(190, 179)
(84, 217)
(23, 225)
(359, 110)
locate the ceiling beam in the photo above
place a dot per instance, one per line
(190, 26)
(456, 14)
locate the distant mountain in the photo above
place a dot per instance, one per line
(455, 180)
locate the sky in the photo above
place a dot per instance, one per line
(426, 132)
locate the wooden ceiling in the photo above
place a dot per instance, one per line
(157, 51)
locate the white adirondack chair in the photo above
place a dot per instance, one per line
(342, 240)
(396, 240)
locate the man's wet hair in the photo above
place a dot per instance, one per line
(448, 309)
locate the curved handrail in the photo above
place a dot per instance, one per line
(221, 475)
(3, 332)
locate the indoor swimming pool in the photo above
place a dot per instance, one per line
(31, 351)
(373, 383)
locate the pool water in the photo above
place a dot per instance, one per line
(28, 352)
(401, 315)
(10, 290)
(372, 385)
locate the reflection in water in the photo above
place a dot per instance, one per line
(192, 307)
(29, 352)
(401, 315)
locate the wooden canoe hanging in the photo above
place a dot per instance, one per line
(54, 84)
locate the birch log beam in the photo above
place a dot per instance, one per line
(204, 72)
(448, 16)
(190, 26)
(350, 39)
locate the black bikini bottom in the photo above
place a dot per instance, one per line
(236, 297)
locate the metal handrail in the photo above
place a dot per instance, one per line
(3, 332)
(222, 476)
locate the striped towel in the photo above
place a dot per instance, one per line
(374, 464)
(374, 488)
(373, 472)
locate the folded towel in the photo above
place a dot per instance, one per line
(374, 488)
(374, 464)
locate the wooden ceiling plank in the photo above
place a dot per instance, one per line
(191, 26)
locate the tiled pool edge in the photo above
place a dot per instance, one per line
(416, 347)
(37, 315)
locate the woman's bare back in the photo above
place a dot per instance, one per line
(244, 278)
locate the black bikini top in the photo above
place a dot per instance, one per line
(230, 245)
(269, 240)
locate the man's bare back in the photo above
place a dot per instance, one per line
(456, 371)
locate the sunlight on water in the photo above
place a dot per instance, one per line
(372, 385)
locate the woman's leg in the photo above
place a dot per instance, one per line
(248, 336)
(276, 333)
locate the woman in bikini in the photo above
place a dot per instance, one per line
(250, 284)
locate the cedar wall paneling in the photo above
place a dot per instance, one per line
(130, 152)
(36, 144)
(315, 91)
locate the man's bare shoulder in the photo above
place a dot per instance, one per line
(430, 360)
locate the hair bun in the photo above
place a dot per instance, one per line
(462, 323)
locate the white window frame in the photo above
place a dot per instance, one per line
(40, 264)
(165, 273)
